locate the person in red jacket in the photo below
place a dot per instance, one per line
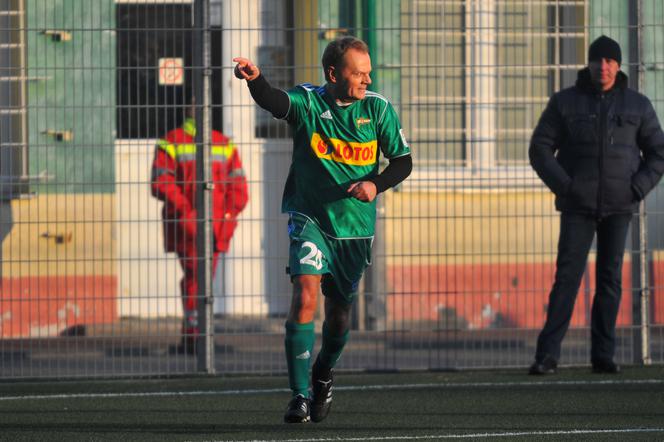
(174, 182)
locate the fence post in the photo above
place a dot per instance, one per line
(201, 76)
(645, 288)
(640, 310)
(370, 306)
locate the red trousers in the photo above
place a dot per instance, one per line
(189, 290)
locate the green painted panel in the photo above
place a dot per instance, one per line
(610, 18)
(388, 51)
(71, 113)
(653, 53)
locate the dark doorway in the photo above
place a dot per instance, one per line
(146, 33)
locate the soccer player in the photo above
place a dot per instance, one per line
(339, 131)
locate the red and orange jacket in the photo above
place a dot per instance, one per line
(174, 183)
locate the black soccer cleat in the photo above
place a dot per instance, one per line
(298, 410)
(321, 401)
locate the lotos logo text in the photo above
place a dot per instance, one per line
(347, 152)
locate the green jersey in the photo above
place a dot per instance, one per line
(333, 147)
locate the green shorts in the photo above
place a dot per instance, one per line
(340, 261)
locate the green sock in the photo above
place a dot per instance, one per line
(332, 347)
(299, 345)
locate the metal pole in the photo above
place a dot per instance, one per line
(645, 288)
(370, 304)
(643, 237)
(24, 94)
(637, 288)
(640, 312)
(201, 76)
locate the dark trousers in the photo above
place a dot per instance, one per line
(576, 236)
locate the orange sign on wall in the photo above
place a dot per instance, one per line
(484, 295)
(43, 306)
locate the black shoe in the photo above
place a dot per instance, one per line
(547, 365)
(605, 366)
(298, 410)
(321, 401)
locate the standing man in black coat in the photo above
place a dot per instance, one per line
(600, 149)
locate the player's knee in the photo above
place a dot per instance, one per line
(303, 308)
(305, 295)
(337, 317)
(337, 325)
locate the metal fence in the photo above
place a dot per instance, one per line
(464, 254)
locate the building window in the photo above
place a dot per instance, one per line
(13, 146)
(477, 75)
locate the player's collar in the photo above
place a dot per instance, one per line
(336, 101)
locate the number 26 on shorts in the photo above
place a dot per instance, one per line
(314, 257)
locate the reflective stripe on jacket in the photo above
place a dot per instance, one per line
(174, 183)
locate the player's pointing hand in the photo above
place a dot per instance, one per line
(245, 69)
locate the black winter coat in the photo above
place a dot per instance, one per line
(599, 153)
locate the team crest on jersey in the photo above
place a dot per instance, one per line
(347, 152)
(361, 121)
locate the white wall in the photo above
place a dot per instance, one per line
(148, 278)
(243, 282)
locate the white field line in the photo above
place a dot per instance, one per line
(339, 388)
(527, 434)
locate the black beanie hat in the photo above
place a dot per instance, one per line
(604, 47)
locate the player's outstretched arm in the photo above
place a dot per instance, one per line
(271, 99)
